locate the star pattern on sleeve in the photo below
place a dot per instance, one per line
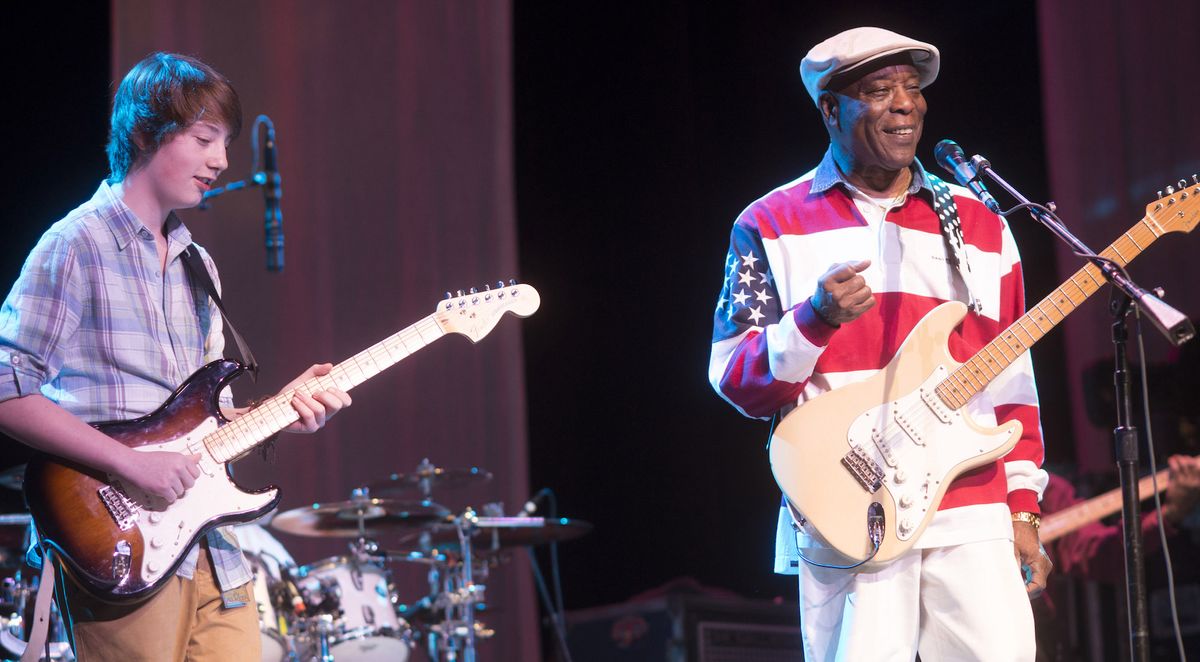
(748, 295)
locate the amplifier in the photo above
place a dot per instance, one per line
(685, 628)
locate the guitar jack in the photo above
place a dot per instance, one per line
(875, 528)
(875, 524)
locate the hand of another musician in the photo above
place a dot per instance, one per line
(163, 474)
(316, 409)
(1183, 490)
(842, 294)
(1030, 554)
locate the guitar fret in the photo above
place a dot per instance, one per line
(1008, 336)
(1002, 363)
(971, 377)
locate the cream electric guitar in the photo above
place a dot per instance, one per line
(872, 460)
(122, 544)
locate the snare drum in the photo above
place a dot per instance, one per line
(366, 627)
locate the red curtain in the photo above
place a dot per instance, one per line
(394, 128)
(1119, 107)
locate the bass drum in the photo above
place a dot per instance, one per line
(271, 624)
(366, 627)
(265, 555)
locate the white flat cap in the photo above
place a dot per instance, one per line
(849, 50)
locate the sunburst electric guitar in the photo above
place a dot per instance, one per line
(122, 544)
(874, 458)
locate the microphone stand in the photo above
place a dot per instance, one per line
(1178, 330)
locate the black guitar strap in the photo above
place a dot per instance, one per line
(947, 213)
(199, 273)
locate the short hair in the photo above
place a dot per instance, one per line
(162, 95)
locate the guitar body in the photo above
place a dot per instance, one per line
(885, 440)
(119, 543)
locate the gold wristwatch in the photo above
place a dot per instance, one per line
(1028, 517)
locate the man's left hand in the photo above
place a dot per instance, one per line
(317, 408)
(1029, 553)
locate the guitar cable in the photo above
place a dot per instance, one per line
(1162, 533)
(874, 521)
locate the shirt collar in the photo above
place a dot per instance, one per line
(126, 226)
(829, 175)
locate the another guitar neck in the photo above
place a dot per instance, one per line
(973, 376)
(257, 425)
(1058, 524)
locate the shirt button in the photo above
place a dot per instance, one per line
(16, 359)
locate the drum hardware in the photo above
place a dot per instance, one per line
(362, 517)
(426, 477)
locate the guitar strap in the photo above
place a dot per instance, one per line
(947, 213)
(195, 266)
(41, 610)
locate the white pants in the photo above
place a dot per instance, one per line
(964, 602)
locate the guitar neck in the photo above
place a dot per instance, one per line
(1058, 524)
(973, 376)
(251, 429)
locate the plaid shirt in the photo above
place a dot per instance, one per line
(94, 325)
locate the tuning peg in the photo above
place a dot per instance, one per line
(1170, 190)
(460, 293)
(473, 290)
(1182, 184)
(512, 281)
(499, 284)
(1160, 194)
(487, 287)
(448, 295)
(1196, 179)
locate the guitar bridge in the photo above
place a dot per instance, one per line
(120, 507)
(864, 469)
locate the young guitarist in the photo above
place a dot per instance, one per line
(104, 322)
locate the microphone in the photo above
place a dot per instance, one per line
(272, 191)
(530, 506)
(951, 157)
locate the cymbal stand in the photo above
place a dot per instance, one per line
(460, 593)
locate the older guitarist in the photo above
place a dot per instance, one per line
(825, 276)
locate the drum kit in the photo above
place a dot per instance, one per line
(346, 608)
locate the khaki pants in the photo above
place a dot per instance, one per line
(185, 620)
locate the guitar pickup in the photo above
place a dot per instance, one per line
(935, 404)
(865, 470)
(884, 449)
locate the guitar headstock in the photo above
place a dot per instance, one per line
(1179, 209)
(475, 313)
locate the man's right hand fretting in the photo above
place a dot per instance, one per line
(163, 474)
(842, 294)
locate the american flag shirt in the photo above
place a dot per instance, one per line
(771, 352)
(94, 325)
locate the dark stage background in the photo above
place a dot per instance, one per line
(598, 151)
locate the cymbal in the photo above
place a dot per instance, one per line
(428, 476)
(13, 477)
(340, 519)
(491, 535)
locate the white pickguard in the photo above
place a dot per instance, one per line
(916, 441)
(167, 529)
